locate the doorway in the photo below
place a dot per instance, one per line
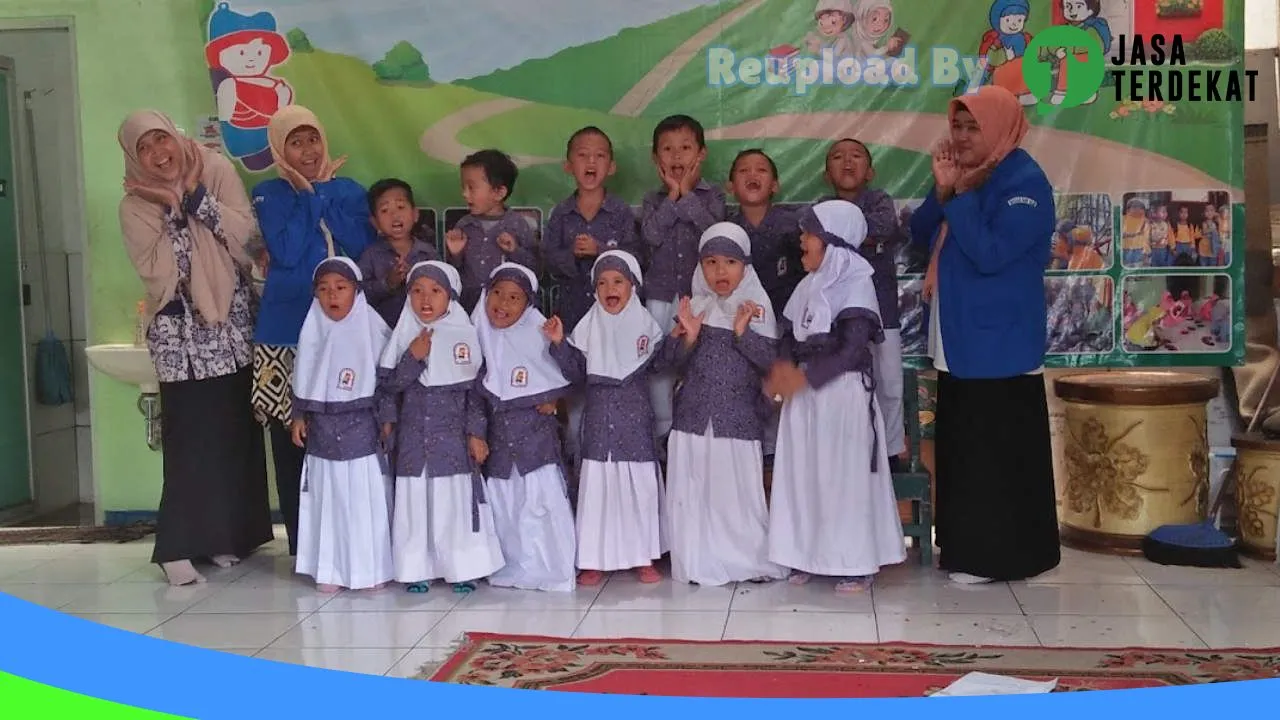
(50, 247)
(16, 491)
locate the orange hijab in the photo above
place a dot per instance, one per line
(146, 234)
(1003, 124)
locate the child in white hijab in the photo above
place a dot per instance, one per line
(442, 526)
(519, 388)
(724, 342)
(833, 508)
(612, 351)
(344, 533)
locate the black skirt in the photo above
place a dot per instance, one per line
(214, 500)
(996, 515)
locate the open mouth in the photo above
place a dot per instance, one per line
(397, 226)
(591, 174)
(755, 185)
(677, 170)
(501, 315)
(334, 307)
(721, 286)
(613, 302)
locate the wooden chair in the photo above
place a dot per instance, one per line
(914, 485)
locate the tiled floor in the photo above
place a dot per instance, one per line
(260, 608)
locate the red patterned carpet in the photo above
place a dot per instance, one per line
(804, 670)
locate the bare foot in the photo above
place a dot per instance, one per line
(799, 578)
(649, 574)
(327, 589)
(590, 578)
(225, 561)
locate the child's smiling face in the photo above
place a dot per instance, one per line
(831, 23)
(753, 180)
(590, 161)
(849, 166)
(1012, 24)
(879, 21)
(481, 197)
(814, 250)
(613, 291)
(336, 294)
(723, 274)
(428, 299)
(395, 215)
(678, 151)
(304, 152)
(504, 304)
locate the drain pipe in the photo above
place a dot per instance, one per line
(149, 406)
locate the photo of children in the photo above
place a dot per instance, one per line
(1081, 315)
(911, 312)
(1082, 239)
(1177, 313)
(1181, 228)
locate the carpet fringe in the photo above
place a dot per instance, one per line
(428, 669)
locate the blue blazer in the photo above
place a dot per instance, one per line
(290, 223)
(991, 270)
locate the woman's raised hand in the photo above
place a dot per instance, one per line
(946, 171)
(159, 196)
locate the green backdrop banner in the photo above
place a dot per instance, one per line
(1148, 252)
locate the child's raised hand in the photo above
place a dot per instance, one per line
(672, 185)
(331, 168)
(299, 431)
(553, 328)
(398, 273)
(478, 449)
(421, 345)
(691, 324)
(742, 320)
(455, 241)
(507, 242)
(691, 177)
(585, 246)
(547, 409)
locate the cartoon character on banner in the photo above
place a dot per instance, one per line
(241, 51)
(873, 19)
(1004, 45)
(835, 18)
(1085, 15)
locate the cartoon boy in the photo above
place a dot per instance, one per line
(241, 51)
(835, 18)
(1004, 46)
(1086, 15)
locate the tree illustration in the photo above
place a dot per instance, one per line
(403, 62)
(298, 41)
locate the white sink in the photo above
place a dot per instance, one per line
(126, 363)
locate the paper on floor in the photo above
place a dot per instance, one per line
(977, 683)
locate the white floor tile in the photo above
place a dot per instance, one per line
(1090, 600)
(653, 624)
(486, 597)
(1230, 603)
(79, 569)
(138, 598)
(624, 592)
(1082, 568)
(1114, 631)
(213, 575)
(420, 660)
(52, 596)
(245, 630)
(955, 628)
(550, 623)
(818, 595)
(140, 623)
(366, 661)
(236, 598)
(39, 552)
(1254, 574)
(360, 630)
(992, 599)
(15, 564)
(394, 599)
(1237, 632)
(800, 626)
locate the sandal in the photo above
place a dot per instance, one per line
(855, 585)
(418, 587)
(462, 588)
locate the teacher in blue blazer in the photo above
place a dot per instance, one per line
(987, 223)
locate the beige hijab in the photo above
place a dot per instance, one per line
(286, 120)
(146, 237)
(1003, 123)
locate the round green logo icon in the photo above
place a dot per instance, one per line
(1077, 56)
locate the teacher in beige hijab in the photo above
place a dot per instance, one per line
(185, 218)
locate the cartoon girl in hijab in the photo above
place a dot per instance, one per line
(873, 19)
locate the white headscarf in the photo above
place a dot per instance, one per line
(518, 359)
(455, 347)
(864, 43)
(337, 361)
(843, 281)
(721, 312)
(617, 345)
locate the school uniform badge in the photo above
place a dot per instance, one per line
(519, 377)
(757, 315)
(642, 346)
(807, 320)
(782, 267)
(462, 354)
(347, 379)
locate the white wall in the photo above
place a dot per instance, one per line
(61, 450)
(1260, 24)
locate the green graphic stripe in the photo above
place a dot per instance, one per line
(26, 700)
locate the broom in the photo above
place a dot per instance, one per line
(1202, 544)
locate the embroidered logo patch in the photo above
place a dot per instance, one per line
(519, 377)
(757, 315)
(462, 354)
(807, 320)
(642, 346)
(1023, 200)
(347, 379)
(782, 266)
(611, 244)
